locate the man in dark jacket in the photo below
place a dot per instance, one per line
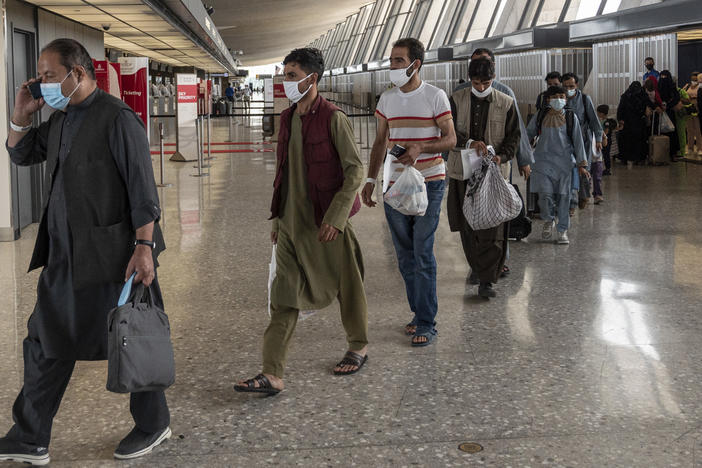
(100, 224)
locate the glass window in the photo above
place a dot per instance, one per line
(508, 16)
(430, 21)
(613, 6)
(357, 35)
(582, 9)
(444, 25)
(417, 19)
(483, 15)
(528, 19)
(340, 58)
(392, 30)
(377, 19)
(550, 12)
(465, 16)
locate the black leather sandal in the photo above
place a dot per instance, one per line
(351, 359)
(264, 386)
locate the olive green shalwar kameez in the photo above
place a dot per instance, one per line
(310, 274)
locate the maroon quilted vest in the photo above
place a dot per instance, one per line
(325, 176)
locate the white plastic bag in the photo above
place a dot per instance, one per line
(495, 201)
(666, 125)
(408, 194)
(462, 162)
(271, 276)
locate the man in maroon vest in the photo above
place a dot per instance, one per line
(318, 258)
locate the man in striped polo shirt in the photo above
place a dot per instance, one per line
(417, 116)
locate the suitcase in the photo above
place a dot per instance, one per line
(532, 204)
(658, 146)
(520, 227)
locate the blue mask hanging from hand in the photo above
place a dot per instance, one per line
(53, 96)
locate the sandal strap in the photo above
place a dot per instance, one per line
(261, 380)
(351, 359)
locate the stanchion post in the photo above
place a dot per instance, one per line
(209, 142)
(160, 146)
(198, 132)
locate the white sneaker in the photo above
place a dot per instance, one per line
(547, 231)
(563, 238)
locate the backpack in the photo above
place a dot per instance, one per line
(570, 122)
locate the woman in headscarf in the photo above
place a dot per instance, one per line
(671, 104)
(634, 105)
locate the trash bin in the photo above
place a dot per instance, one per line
(230, 107)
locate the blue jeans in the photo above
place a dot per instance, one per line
(552, 205)
(413, 237)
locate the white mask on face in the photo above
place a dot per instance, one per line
(292, 90)
(481, 94)
(399, 76)
(571, 92)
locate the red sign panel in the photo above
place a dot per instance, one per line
(279, 90)
(135, 85)
(102, 74)
(187, 93)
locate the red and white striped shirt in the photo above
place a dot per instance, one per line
(414, 117)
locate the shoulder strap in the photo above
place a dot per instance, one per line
(587, 117)
(570, 123)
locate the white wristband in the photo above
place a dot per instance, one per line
(17, 128)
(370, 180)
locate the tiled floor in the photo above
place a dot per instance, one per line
(590, 356)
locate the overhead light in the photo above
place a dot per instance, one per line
(209, 9)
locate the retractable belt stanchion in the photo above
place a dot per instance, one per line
(201, 144)
(160, 145)
(209, 142)
(198, 131)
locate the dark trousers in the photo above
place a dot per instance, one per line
(45, 381)
(606, 155)
(596, 173)
(485, 251)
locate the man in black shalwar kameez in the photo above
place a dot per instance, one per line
(100, 224)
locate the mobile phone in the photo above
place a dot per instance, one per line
(35, 89)
(397, 151)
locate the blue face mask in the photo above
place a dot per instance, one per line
(557, 104)
(53, 96)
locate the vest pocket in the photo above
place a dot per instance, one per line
(101, 253)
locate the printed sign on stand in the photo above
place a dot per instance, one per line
(107, 75)
(135, 86)
(186, 116)
(115, 77)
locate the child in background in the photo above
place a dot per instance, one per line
(609, 126)
(557, 152)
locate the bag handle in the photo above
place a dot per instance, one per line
(141, 294)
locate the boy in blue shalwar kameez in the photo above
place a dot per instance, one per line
(557, 152)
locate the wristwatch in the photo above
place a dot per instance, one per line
(151, 244)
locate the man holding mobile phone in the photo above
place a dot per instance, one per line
(99, 225)
(416, 116)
